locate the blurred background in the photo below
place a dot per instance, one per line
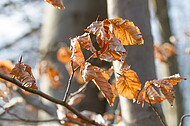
(36, 30)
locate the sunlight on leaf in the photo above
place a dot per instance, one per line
(56, 3)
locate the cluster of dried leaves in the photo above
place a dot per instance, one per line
(111, 35)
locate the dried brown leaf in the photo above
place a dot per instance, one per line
(149, 94)
(128, 84)
(100, 78)
(166, 86)
(23, 73)
(126, 32)
(111, 51)
(77, 55)
(85, 41)
(101, 30)
(56, 3)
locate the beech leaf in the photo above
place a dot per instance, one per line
(166, 86)
(126, 32)
(128, 84)
(149, 94)
(111, 51)
(24, 74)
(77, 55)
(56, 3)
(100, 78)
(101, 30)
(85, 41)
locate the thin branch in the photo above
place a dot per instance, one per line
(182, 119)
(71, 77)
(40, 121)
(34, 121)
(81, 89)
(38, 92)
(69, 83)
(161, 120)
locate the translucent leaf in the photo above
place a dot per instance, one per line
(128, 84)
(77, 55)
(56, 3)
(126, 32)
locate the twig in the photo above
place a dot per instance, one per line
(38, 92)
(71, 77)
(69, 82)
(34, 121)
(182, 119)
(77, 92)
(40, 121)
(161, 120)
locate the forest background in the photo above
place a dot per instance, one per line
(22, 32)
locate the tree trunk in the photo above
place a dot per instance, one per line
(173, 114)
(58, 27)
(141, 59)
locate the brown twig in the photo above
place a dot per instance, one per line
(33, 121)
(71, 77)
(182, 119)
(81, 89)
(54, 100)
(161, 120)
(69, 82)
(40, 121)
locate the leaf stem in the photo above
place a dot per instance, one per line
(71, 77)
(54, 100)
(161, 120)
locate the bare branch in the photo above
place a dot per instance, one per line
(81, 89)
(38, 92)
(71, 77)
(182, 119)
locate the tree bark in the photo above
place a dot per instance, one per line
(165, 30)
(58, 27)
(141, 59)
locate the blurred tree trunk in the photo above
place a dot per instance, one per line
(141, 59)
(58, 27)
(173, 114)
